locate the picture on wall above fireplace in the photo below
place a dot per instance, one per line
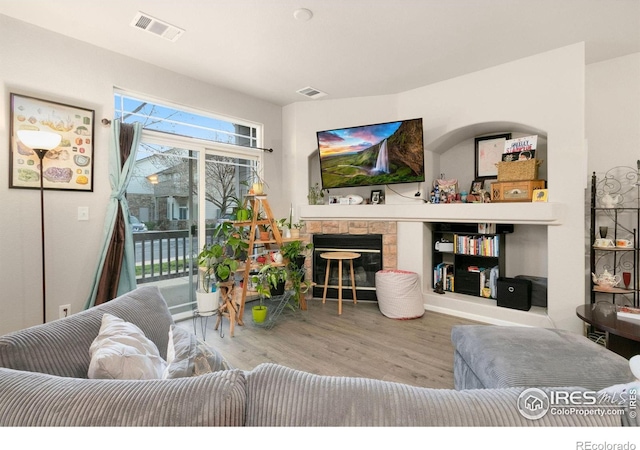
(372, 155)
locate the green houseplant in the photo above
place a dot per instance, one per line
(295, 253)
(270, 280)
(267, 281)
(295, 228)
(219, 260)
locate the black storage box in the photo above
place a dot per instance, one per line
(514, 293)
(538, 289)
(467, 282)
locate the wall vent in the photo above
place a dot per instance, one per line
(158, 27)
(311, 92)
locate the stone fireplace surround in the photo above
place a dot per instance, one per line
(388, 230)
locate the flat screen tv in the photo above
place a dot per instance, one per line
(369, 155)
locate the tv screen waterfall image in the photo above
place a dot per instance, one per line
(384, 153)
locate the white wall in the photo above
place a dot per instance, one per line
(613, 113)
(512, 96)
(49, 66)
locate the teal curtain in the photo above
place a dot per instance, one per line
(115, 274)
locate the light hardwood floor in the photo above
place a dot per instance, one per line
(361, 342)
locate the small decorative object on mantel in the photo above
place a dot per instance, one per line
(520, 149)
(515, 191)
(355, 199)
(476, 186)
(448, 189)
(376, 197)
(540, 195)
(316, 195)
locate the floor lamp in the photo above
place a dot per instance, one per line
(41, 142)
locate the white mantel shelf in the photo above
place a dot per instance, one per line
(538, 213)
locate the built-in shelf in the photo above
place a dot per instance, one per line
(538, 213)
(486, 310)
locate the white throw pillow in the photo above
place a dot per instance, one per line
(187, 356)
(180, 353)
(121, 351)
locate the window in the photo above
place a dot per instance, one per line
(181, 122)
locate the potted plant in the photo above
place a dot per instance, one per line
(257, 183)
(316, 195)
(218, 262)
(295, 253)
(241, 213)
(281, 224)
(259, 312)
(270, 280)
(295, 229)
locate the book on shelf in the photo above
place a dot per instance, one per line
(628, 313)
(443, 272)
(477, 245)
(487, 228)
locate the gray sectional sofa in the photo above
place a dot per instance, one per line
(43, 382)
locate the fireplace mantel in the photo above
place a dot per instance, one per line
(516, 213)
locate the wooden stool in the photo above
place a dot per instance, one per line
(228, 306)
(340, 256)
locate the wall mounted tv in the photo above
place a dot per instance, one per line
(369, 155)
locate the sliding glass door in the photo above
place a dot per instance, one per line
(179, 192)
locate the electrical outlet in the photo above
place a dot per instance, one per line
(64, 311)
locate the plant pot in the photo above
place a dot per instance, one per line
(265, 235)
(258, 188)
(298, 263)
(295, 233)
(242, 215)
(279, 289)
(259, 313)
(207, 302)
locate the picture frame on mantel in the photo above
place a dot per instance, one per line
(476, 186)
(488, 152)
(376, 197)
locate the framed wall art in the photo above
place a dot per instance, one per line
(68, 166)
(489, 150)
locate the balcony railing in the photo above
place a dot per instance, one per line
(161, 255)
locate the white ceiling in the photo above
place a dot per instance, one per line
(350, 48)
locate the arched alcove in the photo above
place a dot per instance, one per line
(443, 142)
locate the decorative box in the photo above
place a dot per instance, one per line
(515, 191)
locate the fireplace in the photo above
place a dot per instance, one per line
(365, 267)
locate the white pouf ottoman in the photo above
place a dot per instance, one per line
(399, 294)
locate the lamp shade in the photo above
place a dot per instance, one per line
(41, 140)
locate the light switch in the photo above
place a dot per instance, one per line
(83, 213)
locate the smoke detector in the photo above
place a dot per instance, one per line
(311, 92)
(155, 26)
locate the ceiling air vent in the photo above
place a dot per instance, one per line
(311, 92)
(158, 27)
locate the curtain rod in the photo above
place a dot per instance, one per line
(107, 122)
